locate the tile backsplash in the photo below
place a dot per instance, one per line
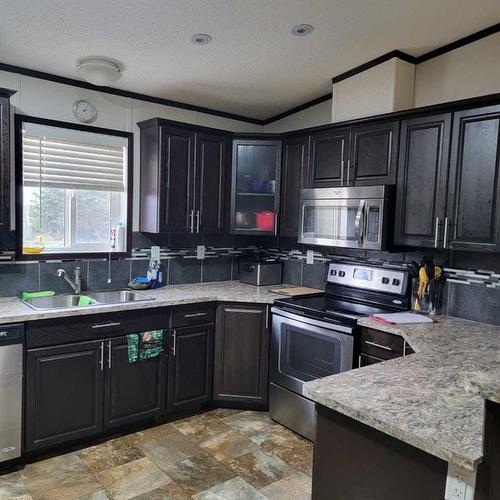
(473, 288)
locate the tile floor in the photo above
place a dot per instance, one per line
(220, 454)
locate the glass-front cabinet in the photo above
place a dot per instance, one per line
(255, 186)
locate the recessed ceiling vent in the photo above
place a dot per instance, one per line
(302, 30)
(201, 39)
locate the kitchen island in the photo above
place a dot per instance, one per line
(415, 408)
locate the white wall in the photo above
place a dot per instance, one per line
(320, 114)
(384, 88)
(470, 71)
(54, 101)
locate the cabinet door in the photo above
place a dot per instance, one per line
(64, 397)
(132, 391)
(210, 173)
(255, 186)
(474, 192)
(190, 367)
(4, 164)
(241, 354)
(293, 178)
(374, 153)
(328, 161)
(422, 181)
(176, 179)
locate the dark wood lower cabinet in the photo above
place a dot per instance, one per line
(64, 394)
(241, 354)
(132, 391)
(355, 462)
(190, 367)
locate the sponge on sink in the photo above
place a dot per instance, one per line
(86, 301)
(32, 295)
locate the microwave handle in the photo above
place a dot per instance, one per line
(359, 224)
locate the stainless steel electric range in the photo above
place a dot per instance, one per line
(313, 337)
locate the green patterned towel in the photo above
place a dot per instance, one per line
(144, 345)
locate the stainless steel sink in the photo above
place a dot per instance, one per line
(101, 298)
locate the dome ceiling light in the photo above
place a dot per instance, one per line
(201, 39)
(100, 71)
(302, 30)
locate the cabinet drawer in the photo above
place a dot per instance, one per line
(382, 345)
(192, 314)
(97, 326)
(367, 360)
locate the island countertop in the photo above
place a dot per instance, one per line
(13, 310)
(424, 399)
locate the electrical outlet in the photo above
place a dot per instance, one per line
(460, 484)
(310, 257)
(200, 252)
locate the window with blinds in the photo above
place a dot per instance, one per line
(72, 165)
(74, 190)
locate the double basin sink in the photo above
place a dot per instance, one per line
(100, 298)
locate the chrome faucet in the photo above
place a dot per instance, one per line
(76, 283)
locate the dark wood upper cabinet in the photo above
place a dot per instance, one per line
(210, 182)
(473, 199)
(132, 391)
(365, 155)
(183, 178)
(241, 354)
(293, 179)
(176, 179)
(64, 394)
(190, 367)
(423, 181)
(373, 155)
(328, 158)
(5, 164)
(255, 186)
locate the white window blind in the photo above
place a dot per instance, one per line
(65, 164)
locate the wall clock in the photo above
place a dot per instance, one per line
(84, 111)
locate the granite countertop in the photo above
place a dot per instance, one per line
(13, 310)
(432, 399)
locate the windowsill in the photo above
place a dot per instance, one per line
(72, 255)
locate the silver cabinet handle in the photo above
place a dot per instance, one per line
(359, 222)
(445, 235)
(109, 354)
(101, 361)
(175, 343)
(197, 221)
(106, 325)
(191, 226)
(275, 223)
(342, 173)
(348, 171)
(359, 361)
(436, 233)
(378, 345)
(194, 315)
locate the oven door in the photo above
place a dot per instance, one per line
(350, 222)
(304, 349)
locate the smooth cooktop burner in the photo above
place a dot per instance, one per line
(327, 307)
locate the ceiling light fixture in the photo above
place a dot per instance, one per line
(98, 70)
(301, 30)
(201, 39)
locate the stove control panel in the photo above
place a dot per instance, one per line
(378, 279)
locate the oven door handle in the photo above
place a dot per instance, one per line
(359, 224)
(310, 321)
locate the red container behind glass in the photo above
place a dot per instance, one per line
(265, 221)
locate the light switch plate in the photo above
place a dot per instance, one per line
(310, 257)
(200, 252)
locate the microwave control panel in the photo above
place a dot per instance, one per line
(366, 277)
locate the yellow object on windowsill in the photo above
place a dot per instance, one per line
(33, 249)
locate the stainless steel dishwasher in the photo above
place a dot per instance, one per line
(11, 390)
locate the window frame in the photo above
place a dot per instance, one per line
(21, 119)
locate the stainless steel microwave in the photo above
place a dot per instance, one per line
(349, 217)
